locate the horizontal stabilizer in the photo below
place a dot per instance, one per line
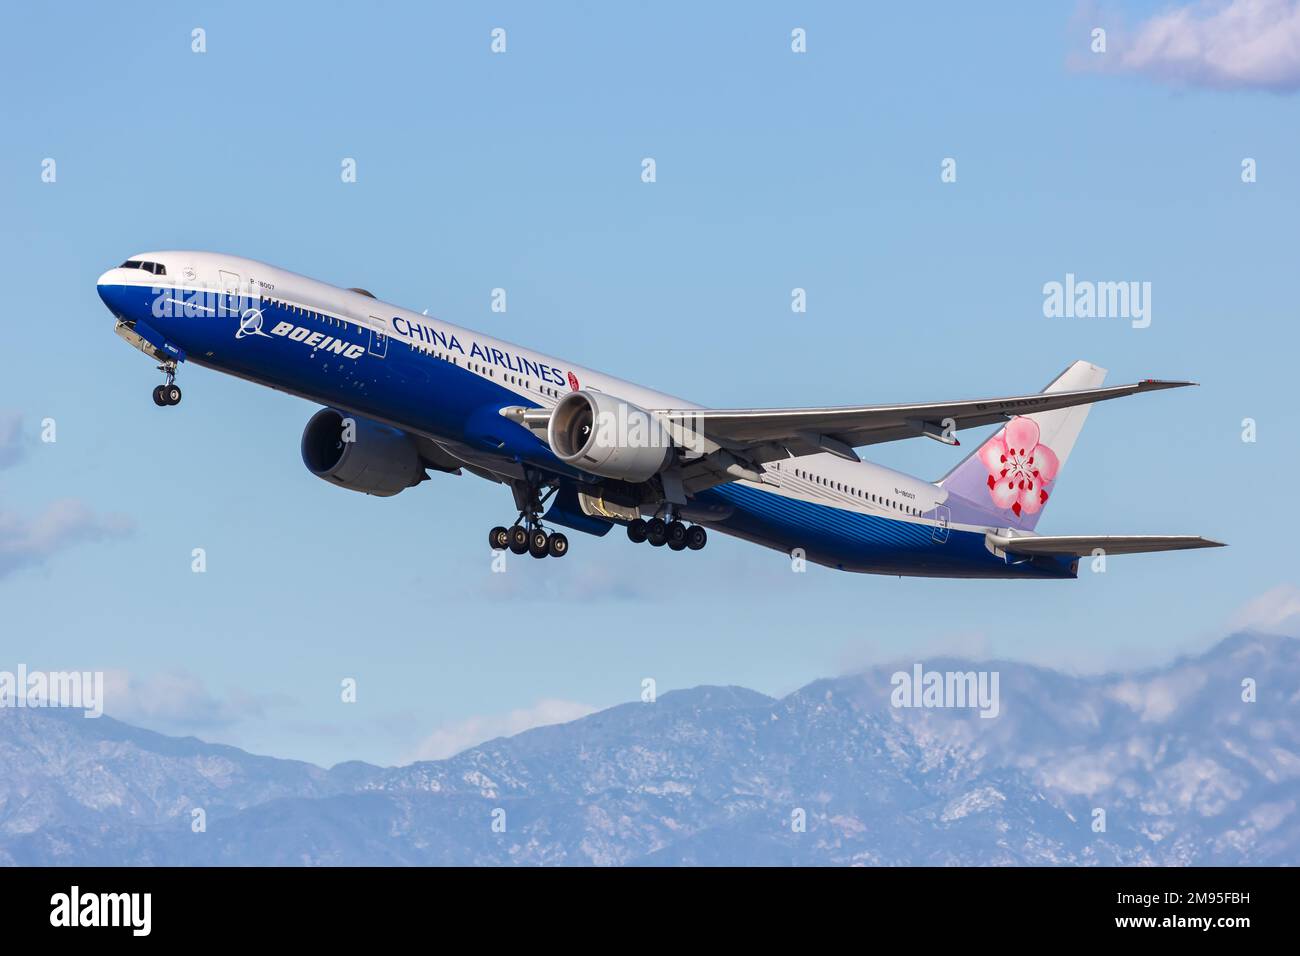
(1082, 545)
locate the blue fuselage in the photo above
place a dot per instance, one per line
(452, 391)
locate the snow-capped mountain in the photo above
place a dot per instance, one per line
(1180, 765)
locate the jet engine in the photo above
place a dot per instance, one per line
(359, 454)
(607, 436)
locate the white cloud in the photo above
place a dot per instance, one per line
(179, 702)
(451, 739)
(1274, 612)
(26, 542)
(1241, 44)
(1158, 698)
(1084, 774)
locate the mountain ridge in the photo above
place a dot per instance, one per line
(1184, 770)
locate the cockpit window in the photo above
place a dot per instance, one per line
(157, 268)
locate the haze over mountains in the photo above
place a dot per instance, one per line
(1185, 770)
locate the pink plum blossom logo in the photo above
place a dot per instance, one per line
(1020, 469)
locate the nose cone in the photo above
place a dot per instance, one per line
(110, 291)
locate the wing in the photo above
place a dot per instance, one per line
(723, 445)
(1082, 545)
(803, 431)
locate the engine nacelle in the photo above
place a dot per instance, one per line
(608, 437)
(359, 454)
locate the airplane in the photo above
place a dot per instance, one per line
(405, 394)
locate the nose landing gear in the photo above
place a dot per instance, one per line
(169, 394)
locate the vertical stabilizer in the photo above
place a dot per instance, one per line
(1014, 473)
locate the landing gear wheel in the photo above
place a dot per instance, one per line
(499, 538)
(557, 545)
(526, 535)
(677, 545)
(636, 530)
(167, 393)
(696, 537)
(656, 532)
(676, 534)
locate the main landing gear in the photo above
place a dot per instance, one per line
(674, 533)
(535, 541)
(169, 394)
(526, 535)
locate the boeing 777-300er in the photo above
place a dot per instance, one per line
(405, 393)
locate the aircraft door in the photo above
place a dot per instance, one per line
(229, 292)
(378, 340)
(942, 515)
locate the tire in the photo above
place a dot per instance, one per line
(676, 535)
(656, 532)
(557, 545)
(172, 394)
(636, 531)
(499, 538)
(696, 537)
(518, 540)
(677, 545)
(158, 396)
(537, 543)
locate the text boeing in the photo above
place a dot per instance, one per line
(319, 340)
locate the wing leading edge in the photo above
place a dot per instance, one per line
(838, 430)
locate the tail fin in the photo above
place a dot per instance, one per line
(1014, 473)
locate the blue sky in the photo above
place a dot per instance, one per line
(522, 171)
